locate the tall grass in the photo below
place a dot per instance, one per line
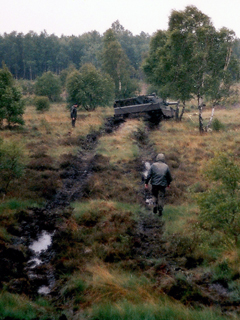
(19, 307)
(160, 311)
(120, 146)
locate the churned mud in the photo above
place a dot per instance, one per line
(27, 265)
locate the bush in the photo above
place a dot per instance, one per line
(90, 88)
(219, 206)
(48, 85)
(42, 104)
(11, 164)
(217, 125)
(11, 103)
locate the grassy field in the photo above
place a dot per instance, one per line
(98, 276)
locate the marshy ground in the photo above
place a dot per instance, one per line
(108, 250)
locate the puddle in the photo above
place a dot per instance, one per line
(42, 244)
(44, 290)
(39, 249)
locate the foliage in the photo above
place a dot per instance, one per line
(220, 205)
(30, 55)
(117, 65)
(48, 85)
(90, 88)
(217, 125)
(11, 105)
(11, 163)
(42, 103)
(27, 86)
(191, 58)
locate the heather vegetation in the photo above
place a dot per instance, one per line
(107, 266)
(110, 257)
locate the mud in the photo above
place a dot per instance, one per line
(27, 265)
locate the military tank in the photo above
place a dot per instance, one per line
(150, 106)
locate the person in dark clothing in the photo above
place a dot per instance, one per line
(74, 114)
(160, 177)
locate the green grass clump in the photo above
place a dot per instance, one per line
(15, 204)
(94, 211)
(177, 218)
(74, 288)
(19, 307)
(167, 311)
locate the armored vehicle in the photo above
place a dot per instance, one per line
(153, 107)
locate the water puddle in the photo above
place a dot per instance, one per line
(39, 270)
(42, 244)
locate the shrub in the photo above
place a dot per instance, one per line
(90, 88)
(11, 163)
(217, 125)
(42, 103)
(219, 206)
(48, 85)
(11, 103)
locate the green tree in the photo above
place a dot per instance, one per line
(12, 163)
(48, 85)
(11, 104)
(116, 64)
(220, 205)
(191, 59)
(90, 88)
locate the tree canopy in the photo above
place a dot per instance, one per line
(30, 55)
(48, 85)
(191, 58)
(11, 104)
(90, 88)
(116, 63)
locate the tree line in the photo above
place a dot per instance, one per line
(30, 55)
(191, 59)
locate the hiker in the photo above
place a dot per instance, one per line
(74, 114)
(160, 177)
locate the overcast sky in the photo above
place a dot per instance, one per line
(75, 17)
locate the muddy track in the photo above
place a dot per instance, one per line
(37, 222)
(148, 243)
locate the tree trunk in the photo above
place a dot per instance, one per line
(200, 106)
(183, 110)
(177, 113)
(211, 119)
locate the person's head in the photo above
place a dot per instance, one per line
(75, 105)
(160, 157)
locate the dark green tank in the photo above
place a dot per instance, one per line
(150, 105)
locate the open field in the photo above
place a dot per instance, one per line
(112, 258)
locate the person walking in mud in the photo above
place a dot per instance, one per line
(74, 114)
(160, 177)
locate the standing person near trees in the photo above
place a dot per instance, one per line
(160, 177)
(74, 114)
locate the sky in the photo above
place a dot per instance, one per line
(76, 17)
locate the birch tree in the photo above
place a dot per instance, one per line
(192, 60)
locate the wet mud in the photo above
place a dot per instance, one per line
(27, 265)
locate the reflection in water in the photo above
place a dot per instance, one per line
(42, 243)
(38, 248)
